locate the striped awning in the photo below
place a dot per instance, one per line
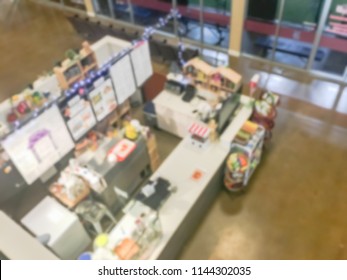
(199, 129)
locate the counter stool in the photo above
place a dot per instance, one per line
(95, 216)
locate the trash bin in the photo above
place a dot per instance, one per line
(149, 114)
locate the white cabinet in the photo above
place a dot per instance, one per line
(18, 244)
(67, 237)
(173, 114)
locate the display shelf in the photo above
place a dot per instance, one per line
(265, 113)
(87, 58)
(72, 70)
(68, 73)
(89, 68)
(244, 159)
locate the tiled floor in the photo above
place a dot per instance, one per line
(295, 204)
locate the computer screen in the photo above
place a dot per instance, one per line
(228, 108)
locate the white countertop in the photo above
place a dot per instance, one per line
(175, 102)
(179, 167)
(18, 244)
(176, 116)
(49, 217)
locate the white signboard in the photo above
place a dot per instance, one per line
(38, 145)
(81, 117)
(123, 79)
(141, 59)
(103, 99)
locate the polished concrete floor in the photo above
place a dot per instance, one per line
(294, 207)
(32, 40)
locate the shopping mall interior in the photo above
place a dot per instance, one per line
(293, 206)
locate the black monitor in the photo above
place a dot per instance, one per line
(228, 108)
(190, 93)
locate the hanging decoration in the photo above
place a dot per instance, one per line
(80, 86)
(147, 33)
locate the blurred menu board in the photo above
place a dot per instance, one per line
(79, 117)
(123, 79)
(103, 98)
(38, 145)
(141, 59)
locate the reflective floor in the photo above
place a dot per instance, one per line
(326, 60)
(32, 40)
(299, 92)
(294, 207)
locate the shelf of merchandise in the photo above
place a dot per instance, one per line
(235, 181)
(65, 77)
